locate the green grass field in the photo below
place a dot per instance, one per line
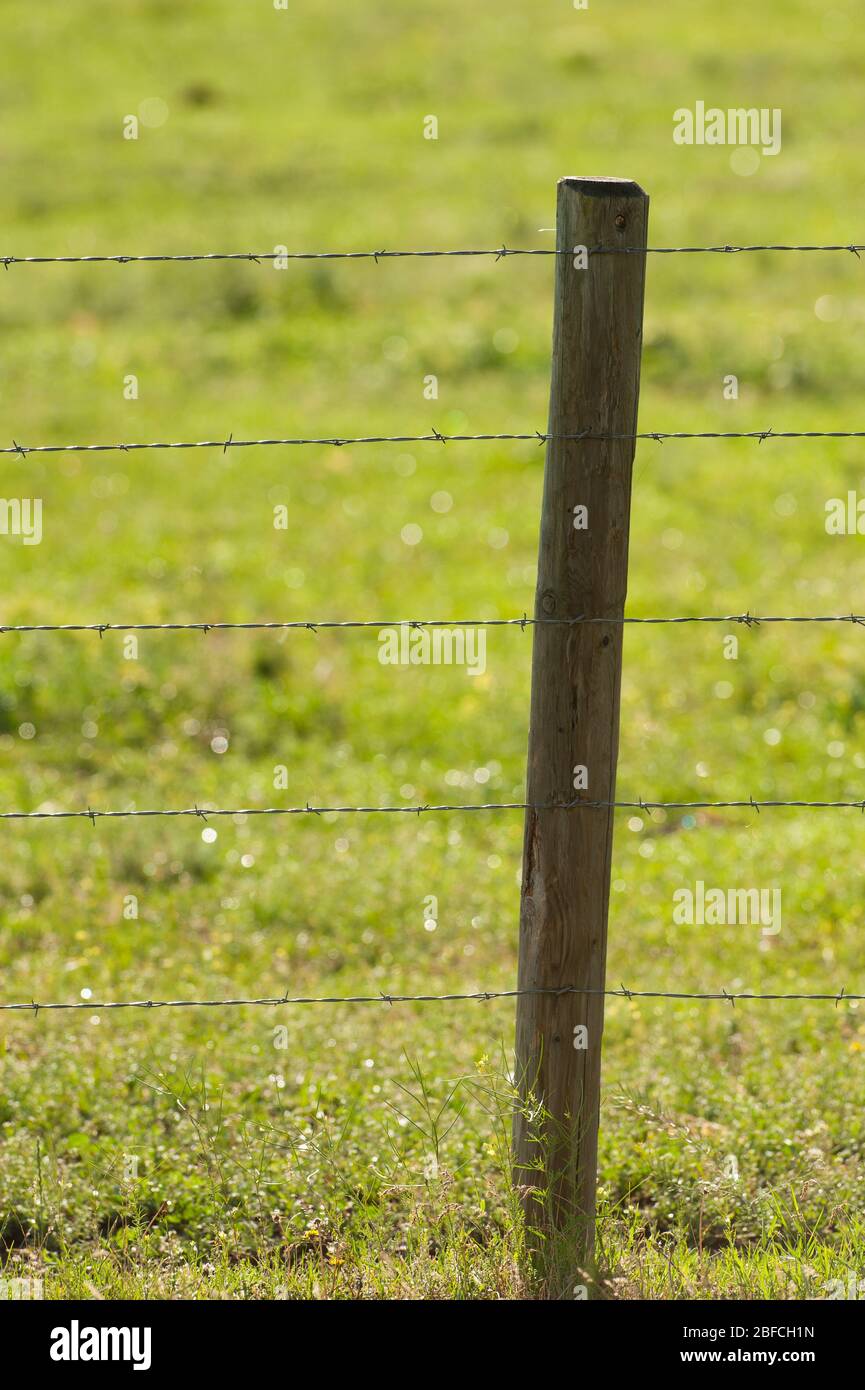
(361, 1151)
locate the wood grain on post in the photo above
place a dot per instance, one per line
(576, 678)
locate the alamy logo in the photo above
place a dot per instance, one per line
(438, 646)
(853, 1288)
(717, 907)
(845, 517)
(18, 1289)
(737, 126)
(21, 516)
(77, 1343)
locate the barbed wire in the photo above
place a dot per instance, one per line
(315, 625)
(205, 812)
(498, 253)
(435, 436)
(274, 1001)
(727, 250)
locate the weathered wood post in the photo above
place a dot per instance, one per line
(576, 677)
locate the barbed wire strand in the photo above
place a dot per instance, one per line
(315, 625)
(498, 253)
(435, 436)
(274, 1001)
(205, 812)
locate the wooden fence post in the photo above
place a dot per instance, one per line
(576, 677)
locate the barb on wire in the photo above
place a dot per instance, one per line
(497, 253)
(275, 1001)
(434, 436)
(745, 803)
(349, 624)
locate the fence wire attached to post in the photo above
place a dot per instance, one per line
(483, 996)
(592, 431)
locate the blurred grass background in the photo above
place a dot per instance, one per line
(305, 128)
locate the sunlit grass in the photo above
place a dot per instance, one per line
(254, 1152)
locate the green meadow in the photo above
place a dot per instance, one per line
(360, 1150)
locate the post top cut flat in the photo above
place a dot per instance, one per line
(603, 187)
